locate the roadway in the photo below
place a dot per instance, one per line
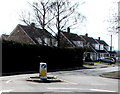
(81, 80)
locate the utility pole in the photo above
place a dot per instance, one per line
(111, 46)
(111, 43)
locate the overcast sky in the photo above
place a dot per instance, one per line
(96, 12)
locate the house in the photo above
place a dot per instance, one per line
(4, 36)
(90, 43)
(102, 48)
(69, 39)
(99, 48)
(31, 34)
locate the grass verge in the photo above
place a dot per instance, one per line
(117, 62)
(87, 65)
(103, 63)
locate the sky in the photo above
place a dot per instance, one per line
(97, 13)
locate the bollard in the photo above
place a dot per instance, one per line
(43, 71)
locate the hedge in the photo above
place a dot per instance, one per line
(20, 57)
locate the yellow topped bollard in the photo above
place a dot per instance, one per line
(43, 71)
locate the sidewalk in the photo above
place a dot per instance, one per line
(114, 75)
(98, 65)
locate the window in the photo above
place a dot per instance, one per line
(97, 46)
(101, 46)
(78, 43)
(47, 41)
(39, 40)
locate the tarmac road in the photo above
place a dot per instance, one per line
(84, 80)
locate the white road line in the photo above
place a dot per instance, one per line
(61, 88)
(70, 82)
(1, 91)
(8, 81)
(13, 79)
(100, 90)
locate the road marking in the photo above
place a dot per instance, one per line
(98, 84)
(13, 79)
(8, 81)
(100, 90)
(61, 88)
(70, 82)
(1, 91)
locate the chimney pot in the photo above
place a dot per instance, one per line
(98, 38)
(68, 29)
(32, 24)
(86, 34)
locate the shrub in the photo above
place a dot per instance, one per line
(26, 57)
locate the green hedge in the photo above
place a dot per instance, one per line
(26, 57)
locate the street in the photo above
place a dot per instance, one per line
(81, 80)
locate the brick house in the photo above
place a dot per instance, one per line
(90, 43)
(31, 34)
(69, 39)
(102, 48)
(99, 47)
(4, 36)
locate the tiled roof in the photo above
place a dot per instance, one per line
(72, 36)
(102, 42)
(4, 36)
(89, 39)
(34, 32)
(101, 51)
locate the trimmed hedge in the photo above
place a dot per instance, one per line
(18, 57)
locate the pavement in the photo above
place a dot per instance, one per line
(113, 75)
(99, 65)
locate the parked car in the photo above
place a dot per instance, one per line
(117, 59)
(107, 60)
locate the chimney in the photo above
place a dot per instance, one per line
(98, 38)
(86, 34)
(32, 24)
(68, 29)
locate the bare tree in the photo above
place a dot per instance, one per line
(39, 14)
(113, 18)
(42, 12)
(113, 23)
(65, 15)
(25, 17)
(54, 14)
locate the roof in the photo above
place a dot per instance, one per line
(34, 32)
(102, 42)
(101, 51)
(72, 36)
(4, 36)
(89, 39)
